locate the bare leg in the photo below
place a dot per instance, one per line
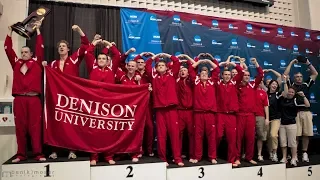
(259, 146)
(284, 154)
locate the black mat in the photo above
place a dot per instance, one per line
(314, 160)
(143, 160)
(264, 163)
(60, 159)
(201, 163)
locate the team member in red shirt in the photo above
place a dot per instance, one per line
(165, 102)
(130, 77)
(103, 70)
(148, 132)
(226, 90)
(185, 105)
(262, 118)
(26, 89)
(245, 116)
(234, 72)
(70, 64)
(204, 108)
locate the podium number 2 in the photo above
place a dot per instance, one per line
(260, 173)
(130, 174)
(47, 170)
(310, 171)
(201, 172)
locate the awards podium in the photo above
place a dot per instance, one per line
(151, 168)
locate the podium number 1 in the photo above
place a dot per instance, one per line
(260, 173)
(47, 170)
(130, 174)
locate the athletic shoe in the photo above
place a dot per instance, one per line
(260, 158)
(288, 157)
(293, 162)
(271, 156)
(305, 157)
(243, 156)
(72, 155)
(53, 156)
(275, 157)
(283, 160)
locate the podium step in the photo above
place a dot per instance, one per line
(203, 170)
(304, 170)
(260, 171)
(60, 169)
(147, 168)
(152, 168)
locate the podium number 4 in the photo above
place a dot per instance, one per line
(260, 173)
(130, 174)
(310, 171)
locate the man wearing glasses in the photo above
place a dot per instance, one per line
(304, 116)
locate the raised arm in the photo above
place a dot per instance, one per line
(313, 71)
(225, 64)
(89, 55)
(124, 56)
(288, 69)
(260, 74)
(195, 65)
(175, 66)
(192, 71)
(229, 58)
(115, 56)
(278, 75)
(243, 63)
(148, 66)
(238, 78)
(188, 58)
(77, 56)
(9, 50)
(39, 53)
(215, 69)
(285, 86)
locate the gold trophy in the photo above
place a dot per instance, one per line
(27, 28)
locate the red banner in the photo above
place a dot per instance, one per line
(92, 116)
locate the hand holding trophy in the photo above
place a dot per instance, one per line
(28, 27)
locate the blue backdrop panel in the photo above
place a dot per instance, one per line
(274, 46)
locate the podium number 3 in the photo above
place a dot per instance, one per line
(310, 171)
(260, 173)
(130, 174)
(201, 172)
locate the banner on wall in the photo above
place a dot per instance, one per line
(274, 46)
(93, 116)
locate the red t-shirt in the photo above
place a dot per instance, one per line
(262, 101)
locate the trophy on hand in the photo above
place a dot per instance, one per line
(301, 59)
(27, 28)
